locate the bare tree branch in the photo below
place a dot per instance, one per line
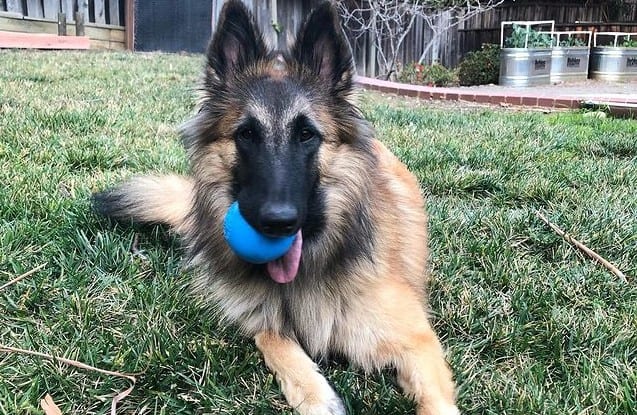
(388, 23)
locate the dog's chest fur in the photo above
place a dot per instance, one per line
(314, 309)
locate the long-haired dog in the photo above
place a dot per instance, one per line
(279, 132)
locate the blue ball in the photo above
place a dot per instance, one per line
(248, 243)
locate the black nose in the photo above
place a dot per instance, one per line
(278, 219)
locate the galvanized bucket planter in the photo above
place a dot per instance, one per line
(525, 66)
(569, 62)
(522, 67)
(613, 62)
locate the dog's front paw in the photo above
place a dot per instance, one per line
(305, 389)
(449, 410)
(313, 397)
(332, 407)
(441, 409)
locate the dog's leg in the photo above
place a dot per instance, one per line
(305, 389)
(424, 375)
(406, 341)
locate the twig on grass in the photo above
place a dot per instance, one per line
(116, 399)
(568, 238)
(23, 276)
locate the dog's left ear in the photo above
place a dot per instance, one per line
(321, 46)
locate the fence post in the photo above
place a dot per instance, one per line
(81, 17)
(79, 24)
(61, 24)
(129, 17)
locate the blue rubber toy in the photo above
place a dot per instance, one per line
(248, 243)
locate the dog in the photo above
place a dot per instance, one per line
(280, 133)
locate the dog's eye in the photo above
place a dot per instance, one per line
(247, 134)
(307, 135)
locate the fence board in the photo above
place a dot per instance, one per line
(14, 6)
(68, 10)
(100, 11)
(113, 12)
(51, 9)
(159, 25)
(34, 9)
(82, 8)
(216, 10)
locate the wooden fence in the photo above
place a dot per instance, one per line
(279, 20)
(103, 20)
(95, 11)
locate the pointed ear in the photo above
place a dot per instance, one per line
(237, 41)
(321, 46)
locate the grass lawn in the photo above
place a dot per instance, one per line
(531, 325)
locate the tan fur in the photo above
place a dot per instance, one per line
(387, 323)
(369, 306)
(161, 199)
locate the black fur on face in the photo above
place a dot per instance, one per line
(277, 143)
(266, 104)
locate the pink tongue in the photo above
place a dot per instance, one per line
(284, 269)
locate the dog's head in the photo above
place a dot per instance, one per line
(274, 113)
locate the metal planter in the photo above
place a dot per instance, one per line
(521, 67)
(613, 63)
(570, 63)
(528, 65)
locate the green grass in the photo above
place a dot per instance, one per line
(531, 325)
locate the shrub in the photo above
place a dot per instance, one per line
(480, 67)
(432, 75)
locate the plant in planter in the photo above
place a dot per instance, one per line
(627, 42)
(526, 37)
(571, 41)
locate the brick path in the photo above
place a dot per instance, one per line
(619, 98)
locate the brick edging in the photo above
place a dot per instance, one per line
(468, 95)
(42, 41)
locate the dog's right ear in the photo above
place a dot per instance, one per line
(321, 47)
(237, 41)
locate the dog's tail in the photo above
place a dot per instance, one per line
(148, 200)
